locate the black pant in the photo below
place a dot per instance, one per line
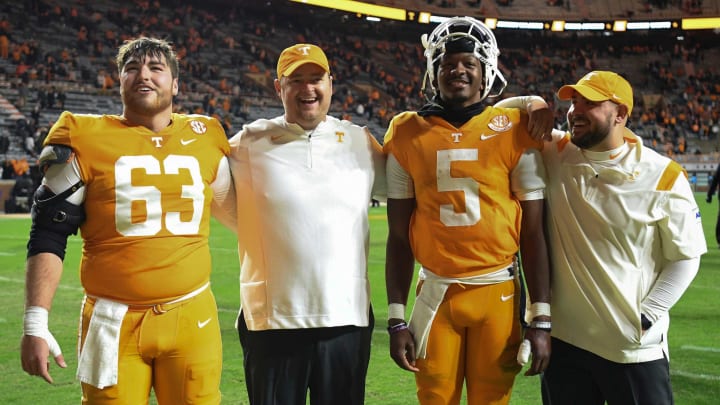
(577, 376)
(717, 227)
(282, 365)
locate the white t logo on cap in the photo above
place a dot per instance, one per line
(304, 49)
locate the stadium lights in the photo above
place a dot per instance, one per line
(374, 10)
(651, 25)
(424, 17)
(558, 25)
(700, 23)
(438, 19)
(588, 26)
(525, 25)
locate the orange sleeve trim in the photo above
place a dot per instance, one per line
(563, 142)
(671, 173)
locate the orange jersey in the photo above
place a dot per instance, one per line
(467, 221)
(147, 202)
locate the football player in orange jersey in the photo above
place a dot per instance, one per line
(465, 194)
(139, 186)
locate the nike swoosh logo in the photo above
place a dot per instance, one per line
(484, 137)
(276, 137)
(504, 298)
(186, 142)
(614, 156)
(204, 323)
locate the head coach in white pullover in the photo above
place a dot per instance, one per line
(304, 181)
(625, 242)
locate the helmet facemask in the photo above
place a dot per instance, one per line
(471, 35)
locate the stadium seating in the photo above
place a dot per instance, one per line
(238, 43)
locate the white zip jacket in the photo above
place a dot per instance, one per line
(618, 220)
(302, 222)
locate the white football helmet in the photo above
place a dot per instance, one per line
(485, 49)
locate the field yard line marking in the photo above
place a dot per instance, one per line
(13, 237)
(12, 280)
(22, 281)
(705, 287)
(7, 254)
(700, 348)
(696, 376)
(223, 250)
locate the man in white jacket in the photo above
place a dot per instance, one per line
(625, 241)
(304, 182)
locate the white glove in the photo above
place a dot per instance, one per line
(36, 324)
(524, 352)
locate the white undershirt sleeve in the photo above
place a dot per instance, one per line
(399, 183)
(527, 179)
(224, 199)
(670, 285)
(524, 103)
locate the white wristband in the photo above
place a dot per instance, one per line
(539, 309)
(396, 311)
(35, 323)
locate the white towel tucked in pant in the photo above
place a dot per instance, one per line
(98, 362)
(432, 294)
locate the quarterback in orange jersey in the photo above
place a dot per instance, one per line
(139, 186)
(465, 196)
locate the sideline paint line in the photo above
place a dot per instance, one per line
(700, 348)
(22, 281)
(705, 287)
(694, 376)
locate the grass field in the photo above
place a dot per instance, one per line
(694, 332)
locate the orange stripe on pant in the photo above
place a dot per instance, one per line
(474, 339)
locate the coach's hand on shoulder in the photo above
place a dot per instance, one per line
(402, 344)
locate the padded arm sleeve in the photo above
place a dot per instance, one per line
(57, 210)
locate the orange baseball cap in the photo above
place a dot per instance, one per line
(600, 86)
(299, 54)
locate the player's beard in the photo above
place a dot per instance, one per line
(146, 104)
(593, 135)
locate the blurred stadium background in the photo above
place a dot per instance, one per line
(59, 54)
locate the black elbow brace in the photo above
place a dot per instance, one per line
(53, 220)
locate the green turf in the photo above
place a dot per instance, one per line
(694, 333)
